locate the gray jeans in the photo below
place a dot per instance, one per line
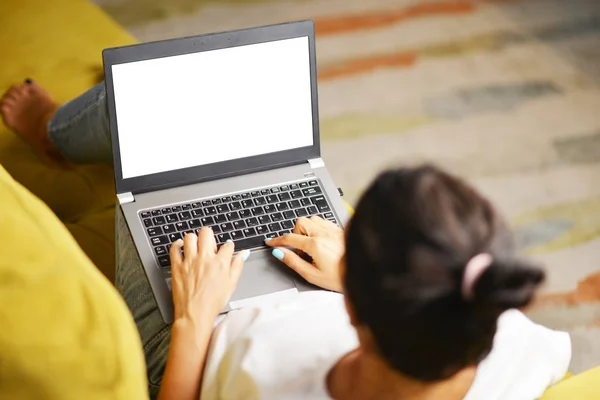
(80, 131)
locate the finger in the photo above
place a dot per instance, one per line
(206, 241)
(296, 241)
(237, 264)
(190, 245)
(175, 252)
(292, 260)
(304, 226)
(226, 251)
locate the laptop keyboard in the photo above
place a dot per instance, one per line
(246, 218)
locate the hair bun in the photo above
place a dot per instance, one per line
(507, 284)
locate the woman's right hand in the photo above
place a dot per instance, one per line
(323, 241)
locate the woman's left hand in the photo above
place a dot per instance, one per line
(203, 278)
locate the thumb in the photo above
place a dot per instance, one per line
(295, 262)
(237, 264)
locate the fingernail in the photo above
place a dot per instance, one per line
(267, 239)
(246, 255)
(278, 254)
(28, 81)
(179, 240)
(229, 241)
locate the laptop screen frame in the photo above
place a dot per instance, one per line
(195, 44)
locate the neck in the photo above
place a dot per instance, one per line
(372, 378)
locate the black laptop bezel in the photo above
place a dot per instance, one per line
(214, 41)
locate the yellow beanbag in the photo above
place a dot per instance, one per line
(65, 333)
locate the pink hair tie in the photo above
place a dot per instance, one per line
(475, 267)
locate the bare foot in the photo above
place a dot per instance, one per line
(26, 109)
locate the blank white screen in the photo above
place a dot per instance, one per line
(201, 108)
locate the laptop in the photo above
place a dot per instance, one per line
(219, 130)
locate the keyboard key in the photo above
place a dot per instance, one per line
(295, 194)
(269, 208)
(158, 240)
(155, 231)
(271, 235)
(176, 208)
(174, 236)
(164, 261)
(197, 213)
(185, 215)
(195, 223)
(284, 196)
(207, 221)
(313, 183)
(301, 212)
(252, 221)
(282, 206)
(237, 235)
(216, 229)
(257, 211)
(249, 243)
(206, 203)
(311, 191)
(236, 197)
(275, 226)
(262, 230)
(332, 220)
(274, 190)
(259, 201)
(186, 207)
(186, 232)
(232, 216)
(223, 208)
(249, 232)
(248, 203)
(166, 210)
(281, 233)
(171, 218)
(289, 214)
(245, 195)
(287, 225)
(276, 216)
(226, 199)
(256, 193)
(236, 205)
(182, 226)
(245, 213)
(284, 188)
(223, 237)
(312, 210)
(210, 211)
(265, 192)
(219, 219)
(239, 224)
(328, 215)
(159, 220)
(169, 228)
(294, 203)
(160, 250)
(197, 204)
(145, 214)
(264, 219)
(156, 213)
(148, 222)
(216, 201)
(303, 184)
(272, 198)
(305, 202)
(320, 203)
(226, 227)
(293, 186)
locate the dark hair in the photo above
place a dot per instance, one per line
(407, 246)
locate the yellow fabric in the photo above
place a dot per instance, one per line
(65, 333)
(59, 43)
(584, 386)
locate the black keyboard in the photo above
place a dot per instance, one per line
(246, 218)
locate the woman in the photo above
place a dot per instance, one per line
(431, 283)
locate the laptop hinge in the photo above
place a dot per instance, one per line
(125, 198)
(316, 163)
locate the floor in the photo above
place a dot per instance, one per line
(504, 92)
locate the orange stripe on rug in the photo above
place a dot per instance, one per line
(364, 65)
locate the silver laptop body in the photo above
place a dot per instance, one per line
(219, 130)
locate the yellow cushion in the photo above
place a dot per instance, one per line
(65, 333)
(59, 43)
(584, 386)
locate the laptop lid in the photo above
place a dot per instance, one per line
(188, 110)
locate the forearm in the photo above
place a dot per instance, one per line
(186, 359)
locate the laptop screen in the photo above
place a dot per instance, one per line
(203, 108)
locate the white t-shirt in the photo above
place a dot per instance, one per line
(285, 350)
